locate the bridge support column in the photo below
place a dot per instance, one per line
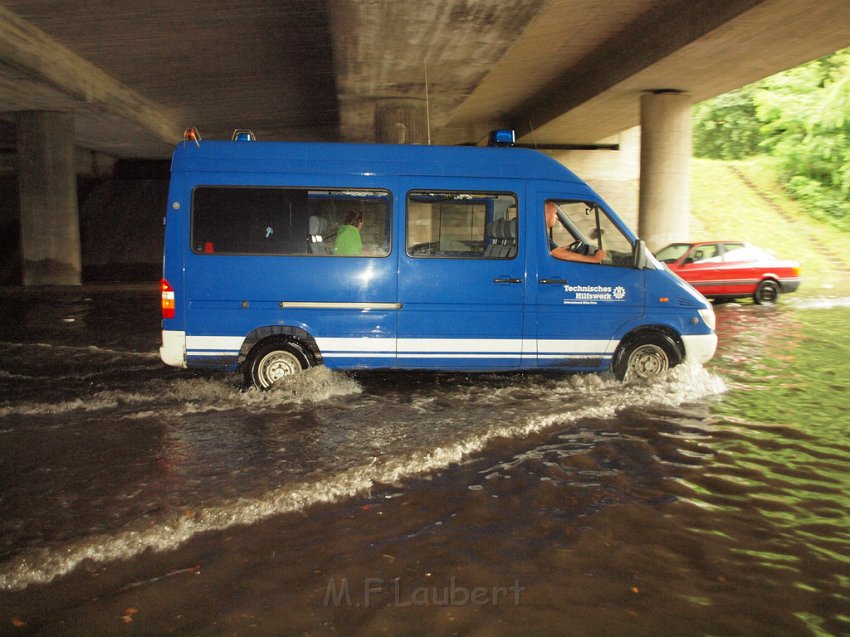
(47, 182)
(401, 121)
(665, 168)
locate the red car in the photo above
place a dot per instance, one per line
(731, 269)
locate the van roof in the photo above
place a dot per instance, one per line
(367, 159)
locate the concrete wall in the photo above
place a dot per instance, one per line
(614, 174)
(121, 227)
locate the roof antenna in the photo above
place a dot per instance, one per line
(533, 139)
(427, 103)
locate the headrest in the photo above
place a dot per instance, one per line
(317, 225)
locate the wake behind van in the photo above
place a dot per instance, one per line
(453, 268)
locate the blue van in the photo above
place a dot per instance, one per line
(453, 268)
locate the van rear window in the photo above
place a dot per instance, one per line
(472, 225)
(291, 221)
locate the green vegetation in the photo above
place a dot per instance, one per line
(800, 119)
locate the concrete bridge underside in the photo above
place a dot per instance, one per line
(83, 84)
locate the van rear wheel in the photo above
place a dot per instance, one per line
(271, 360)
(646, 356)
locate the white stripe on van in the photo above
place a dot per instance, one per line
(367, 347)
(361, 346)
(560, 348)
(460, 345)
(214, 342)
(201, 345)
(211, 352)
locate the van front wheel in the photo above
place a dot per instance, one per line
(270, 361)
(646, 356)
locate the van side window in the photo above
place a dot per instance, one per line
(288, 221)
(465, 225)
(584, 227)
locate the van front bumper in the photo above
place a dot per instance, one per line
(700, 348)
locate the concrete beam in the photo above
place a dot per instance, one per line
(385, 48)
(54, 72)
(651, 37)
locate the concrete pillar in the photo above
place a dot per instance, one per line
(47, 182)
(665, 168)
(401, 121)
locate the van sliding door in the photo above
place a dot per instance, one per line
(461, 275)
(270, 259)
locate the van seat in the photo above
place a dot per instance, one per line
(491, 240)
(499, 235)
(502, 234)
(318, 227)
(510, 238)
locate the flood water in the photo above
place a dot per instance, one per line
(140, 499)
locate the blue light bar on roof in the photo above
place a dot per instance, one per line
(243, 135)
(502, 137)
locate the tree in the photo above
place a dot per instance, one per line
(802, 118)
(726, 127)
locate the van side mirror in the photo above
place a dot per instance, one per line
(639, 255)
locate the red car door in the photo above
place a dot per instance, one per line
(700, 267)
(738, 271)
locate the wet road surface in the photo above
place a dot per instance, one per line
(142, 499)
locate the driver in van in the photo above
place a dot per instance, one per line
(562, 252)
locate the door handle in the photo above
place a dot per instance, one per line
(552, 281)
(507, 280)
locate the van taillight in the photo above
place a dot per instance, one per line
(167, 300)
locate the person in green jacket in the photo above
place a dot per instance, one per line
(348, 236)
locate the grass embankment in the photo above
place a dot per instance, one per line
(742, 200)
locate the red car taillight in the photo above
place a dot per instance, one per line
(167, 300)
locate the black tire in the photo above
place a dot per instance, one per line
(272, 359)
(646, 355)
(767, 292)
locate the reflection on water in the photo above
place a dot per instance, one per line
(712, 502)
(782, 456)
